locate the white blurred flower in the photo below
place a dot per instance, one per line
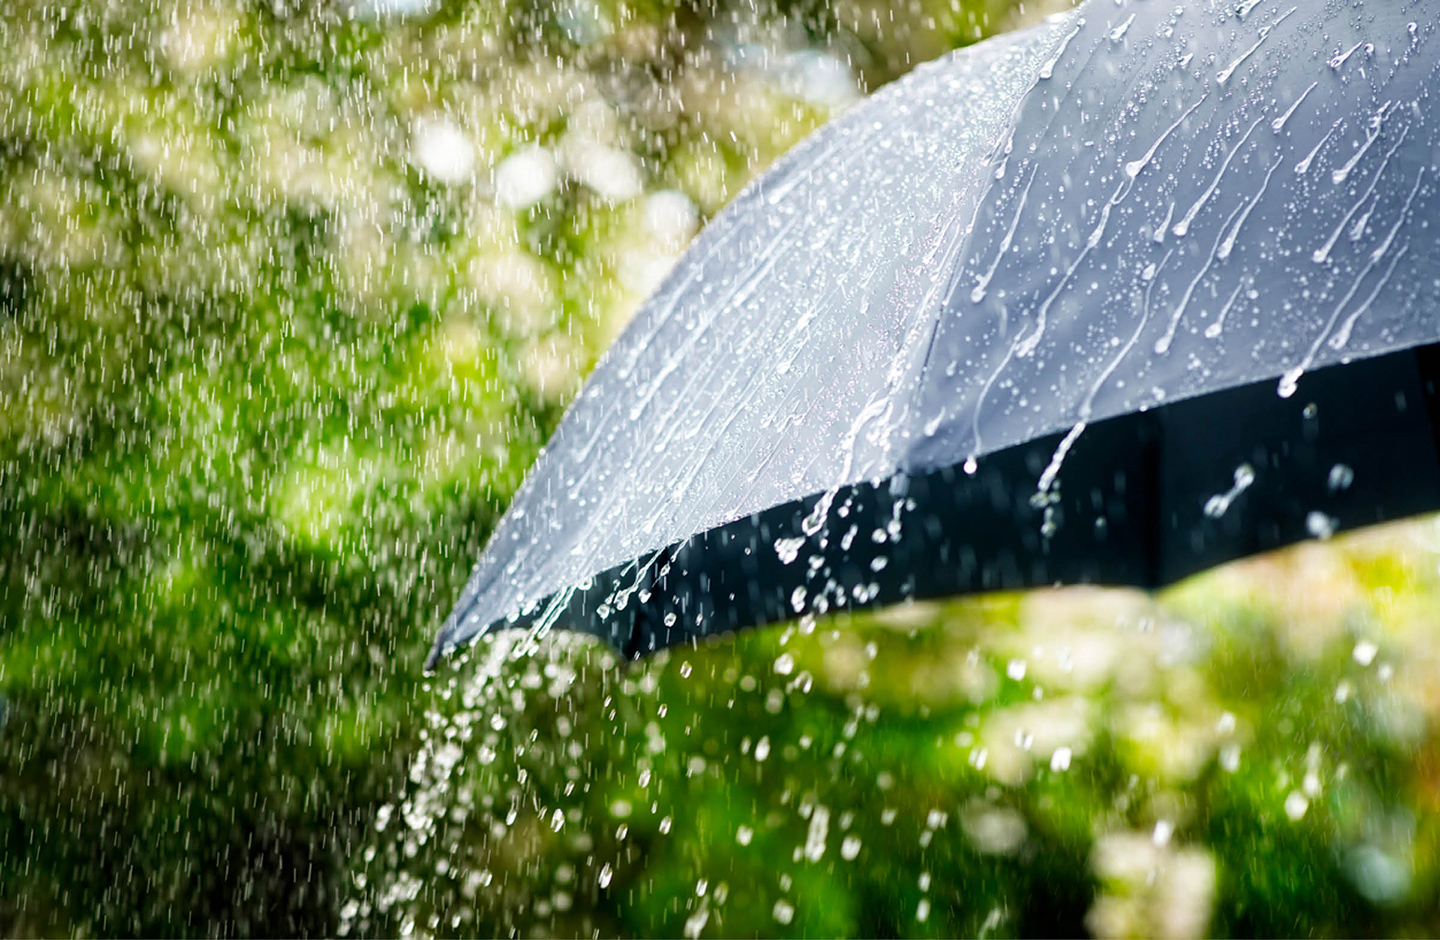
(819, 78)
(199, 39)
(461, 342)
(1150, 890)
(1017, 737)
(442, 150)
(642, 272)
(552, 366)
(525, 177)
(362, 252)
(379, 9)
(1078, 630)
(185, 163)
(994, 830)
(1382, 877)
(595, 121)
(671, 218)
(305, 105)
(610, 172)
(582, 22)
(517, 287)
(1174, 749)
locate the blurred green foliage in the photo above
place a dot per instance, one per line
(290, 296)
(1251, 754)
(279, 335)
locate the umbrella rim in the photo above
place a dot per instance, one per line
(1375, 416)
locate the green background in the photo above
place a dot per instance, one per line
(266, 383)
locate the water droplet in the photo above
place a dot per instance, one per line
(1289, 383)
(1320, 525)
(695, 923)
(819, 830)
(788, 549)
(1341, 476)
(1217, 505)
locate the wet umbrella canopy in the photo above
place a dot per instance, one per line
(1136, 291)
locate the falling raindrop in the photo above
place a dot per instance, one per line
(1320, 525)
(1340, 478)
(1216, 506)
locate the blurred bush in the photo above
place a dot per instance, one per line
(1253, 753)
(290, 295)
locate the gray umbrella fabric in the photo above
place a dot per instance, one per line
(1132, 292)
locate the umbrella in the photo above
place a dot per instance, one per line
(1136, 291)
